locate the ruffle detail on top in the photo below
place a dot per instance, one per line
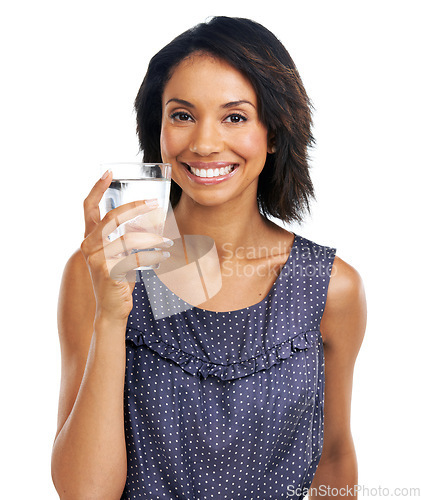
(237, 369)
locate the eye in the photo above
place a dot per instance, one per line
(235, 118)
(180, 116)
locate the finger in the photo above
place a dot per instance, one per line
(124, 213)
(98, 237)
(91, 202)
(120, 270)
(149, 222)
(134, 241)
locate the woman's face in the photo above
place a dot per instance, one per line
(211, 132)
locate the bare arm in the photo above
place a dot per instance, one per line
(89, 455)
(89, 452)
(343, 327)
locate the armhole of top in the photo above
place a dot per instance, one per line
(327, 269)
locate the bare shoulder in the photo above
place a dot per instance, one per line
(345, 282)
(345, 315)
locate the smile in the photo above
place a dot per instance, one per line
(208, 173)
(212, 172)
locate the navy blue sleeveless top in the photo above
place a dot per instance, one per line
(224, 405)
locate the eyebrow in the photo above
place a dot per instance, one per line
(180, 101)
(230, 104)
(233, 104)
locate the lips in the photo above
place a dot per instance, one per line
(212, 172)
(208, 173)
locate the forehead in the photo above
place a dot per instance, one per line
(204, 75)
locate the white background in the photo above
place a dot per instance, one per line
(70, 73)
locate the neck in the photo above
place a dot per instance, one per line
(238, 226)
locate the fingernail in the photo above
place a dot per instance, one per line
(105, 174)
(166, 254)
(168, 242)
(152, 202)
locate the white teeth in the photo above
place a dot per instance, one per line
(202, 172)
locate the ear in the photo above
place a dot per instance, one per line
(271, 143)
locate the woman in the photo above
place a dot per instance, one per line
(233, 398)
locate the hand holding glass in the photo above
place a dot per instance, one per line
(136, 182)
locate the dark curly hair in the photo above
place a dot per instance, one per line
(284, 186)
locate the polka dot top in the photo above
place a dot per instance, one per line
(226, 405)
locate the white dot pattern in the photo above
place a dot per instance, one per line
(229, 405)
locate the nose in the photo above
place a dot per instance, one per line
(206, 140)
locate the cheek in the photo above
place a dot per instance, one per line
(165, 144)
(253, 145)
(170, 143)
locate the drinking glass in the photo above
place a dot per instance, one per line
(133, 182)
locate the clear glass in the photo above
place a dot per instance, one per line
(133, 182)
